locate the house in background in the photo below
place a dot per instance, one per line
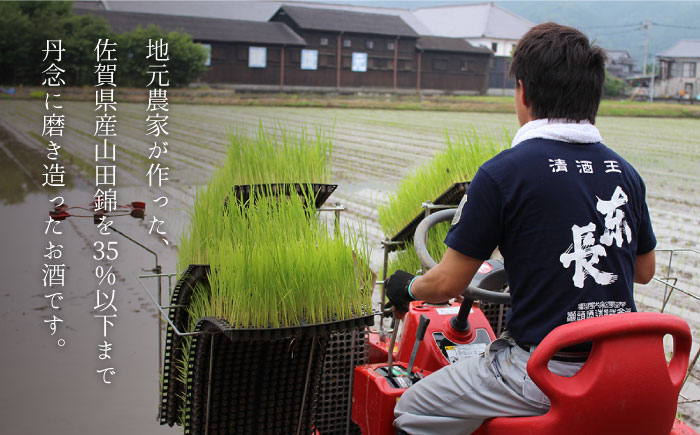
(481, 24)
(359, 49)
(250, 52)
(678, 71)
(452, 63)
(620, 64)
(353, 49)
(321, 49)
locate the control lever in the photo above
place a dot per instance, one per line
(420, 333)
(394, 331)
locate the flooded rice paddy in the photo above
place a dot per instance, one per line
(373, 150)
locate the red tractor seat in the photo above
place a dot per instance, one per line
(625, 387)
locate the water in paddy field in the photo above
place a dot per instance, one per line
(47, 388)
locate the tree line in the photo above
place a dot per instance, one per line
(26, 26)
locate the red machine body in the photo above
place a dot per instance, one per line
(374, 398)
(442, 345)
(625, 387)
(430, 357)
(633, 338)
(375, 394)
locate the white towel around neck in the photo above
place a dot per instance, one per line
(558, 129)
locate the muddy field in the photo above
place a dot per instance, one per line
(373, 150)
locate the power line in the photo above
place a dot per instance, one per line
(613, 26)
(675, 26)
(619, 33)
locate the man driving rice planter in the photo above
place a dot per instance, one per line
(568, 215)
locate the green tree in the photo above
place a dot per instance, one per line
(80, 34)
(613, 86)
(185, 64)
(25, 26)
(14, 49)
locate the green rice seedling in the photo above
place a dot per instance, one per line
(407, 259)
(463, 154)
(196, 310)
(458, 162)
(266, 277)
(276, 156)
(273, 263)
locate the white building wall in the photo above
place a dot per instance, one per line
(504, 46)
(679, 87)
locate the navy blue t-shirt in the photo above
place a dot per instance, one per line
(569, 220)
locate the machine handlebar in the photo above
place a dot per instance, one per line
(420, 239)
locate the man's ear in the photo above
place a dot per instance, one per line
(523, 91)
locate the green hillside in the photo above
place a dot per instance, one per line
(617, 25)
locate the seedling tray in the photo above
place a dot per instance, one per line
(450, 197)
(346, 350)
(261, 386)
(262, 381)
(172, 391)
(227, 338)
(317, 329)
(320, 192)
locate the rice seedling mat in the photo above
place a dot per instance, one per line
(319, 191)
(450, 197)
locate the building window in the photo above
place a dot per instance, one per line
(689, 69)
(324, 41)
(675, 69)
(326, 60)
(347, 43)
(257, 57)
(382, 63)
(359, 62)
(464, 65)
(439, 64)
(494, 47)
(309, 59)
(207, 49)
(390, 45)
(369, 44)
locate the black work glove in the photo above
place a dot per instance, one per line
(396, 288)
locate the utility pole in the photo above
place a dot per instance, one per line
(651, 86)
(645, 26)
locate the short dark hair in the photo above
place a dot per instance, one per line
(561, 72)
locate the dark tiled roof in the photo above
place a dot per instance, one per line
(335, 20)
(439, 43)
(204, 29)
